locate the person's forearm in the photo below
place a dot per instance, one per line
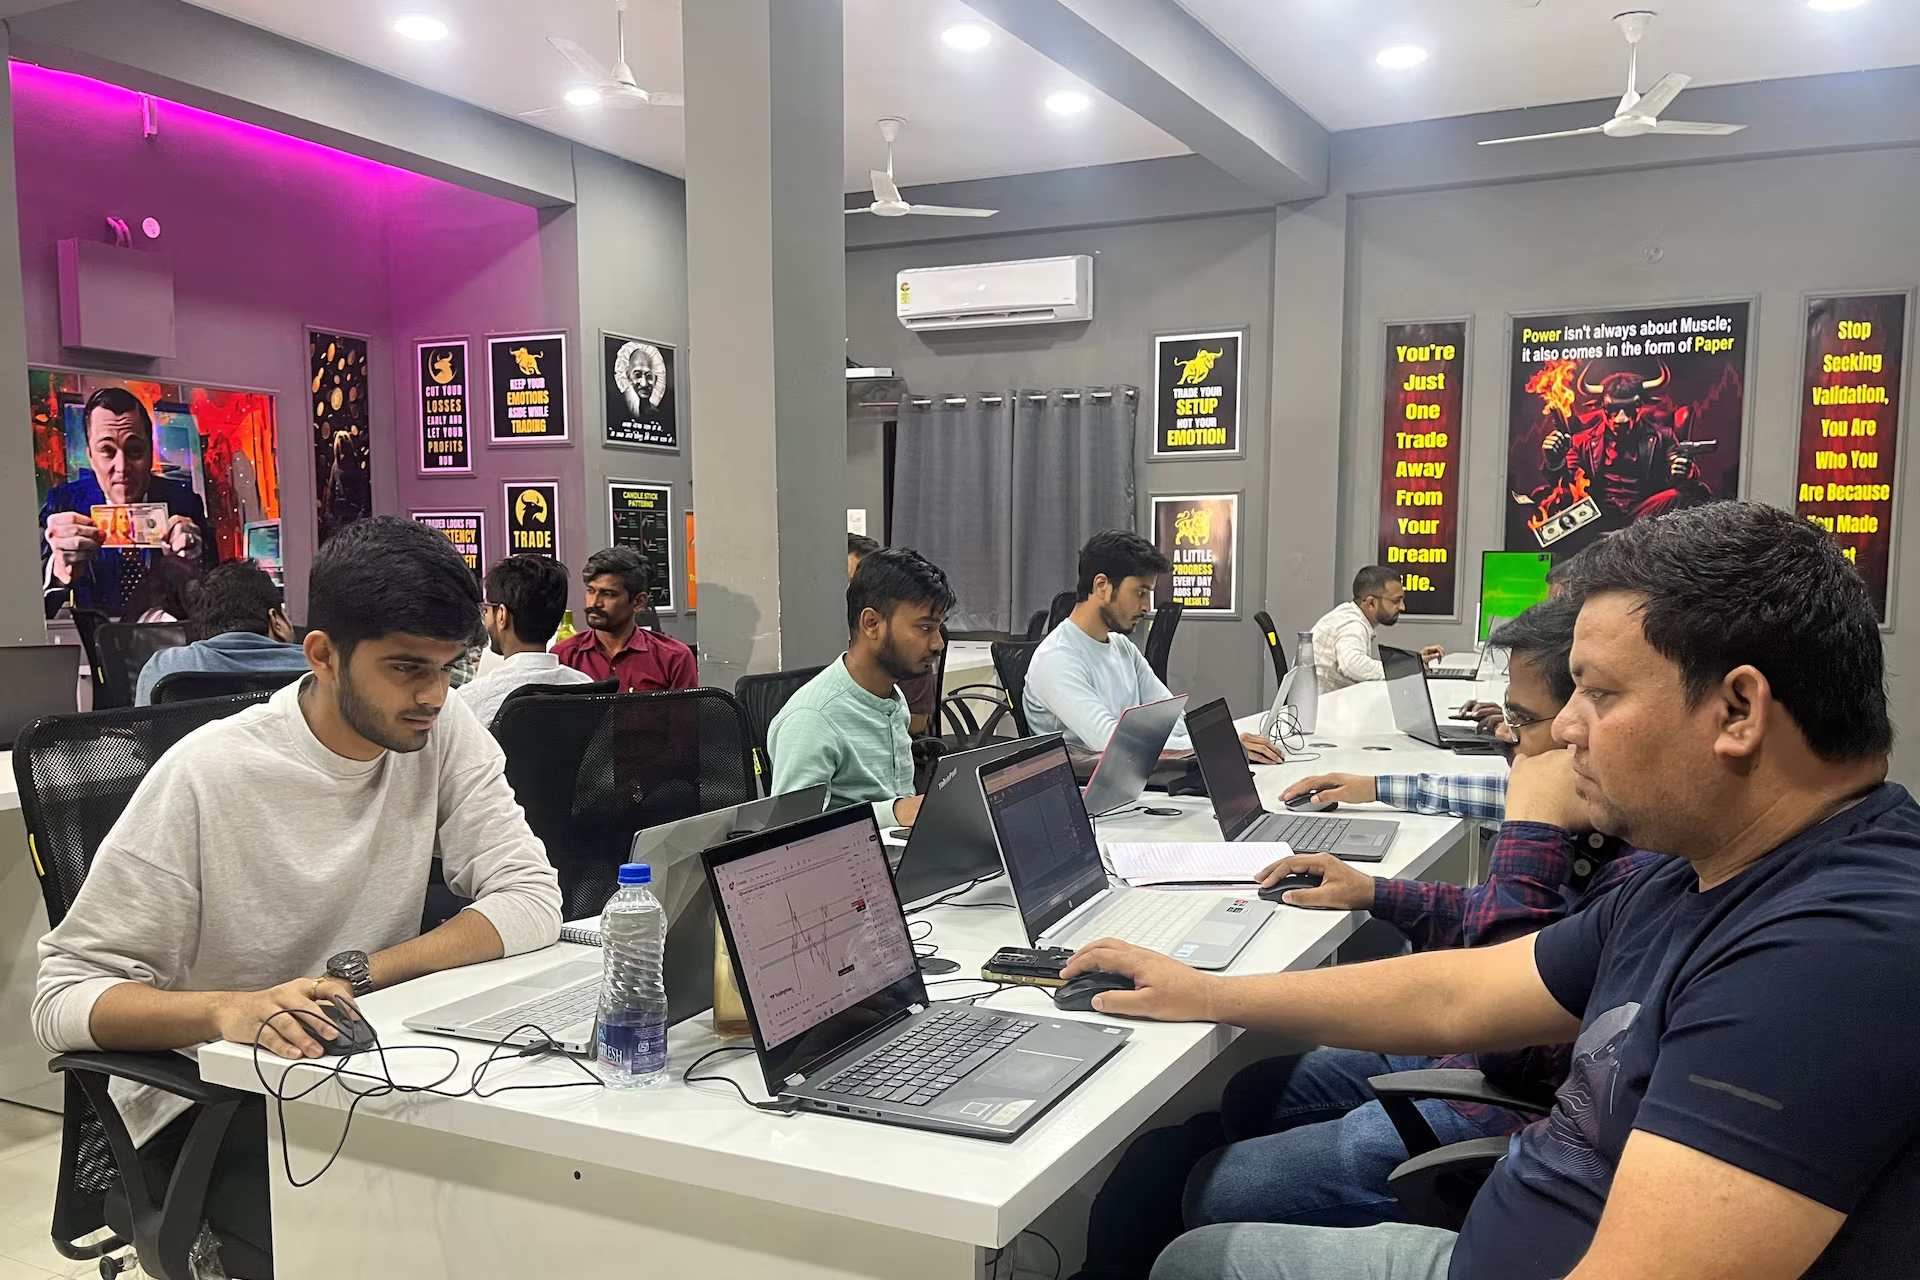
(468, 938)
(1430, 913)
(1355, 663)
(135, 1016)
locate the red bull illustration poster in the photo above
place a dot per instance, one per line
(1614, 416)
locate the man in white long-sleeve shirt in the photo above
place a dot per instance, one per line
(1086, 673)
(280, 856)
(1345, 647)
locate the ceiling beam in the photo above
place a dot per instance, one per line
(1153, 58)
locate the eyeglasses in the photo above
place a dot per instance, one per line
(1518, 722)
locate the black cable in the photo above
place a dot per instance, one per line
(947, 899)
(1058, 1261)
(996, 984)
(687, 1077)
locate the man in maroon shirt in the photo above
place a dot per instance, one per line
(617, 646)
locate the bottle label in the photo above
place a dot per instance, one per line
(633, 1048)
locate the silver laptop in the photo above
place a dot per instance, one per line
(1413, 708)
(36, 680)
(561, 1005)
(840, 1015)
(1241, 815)
(1062, 888)
(1132, 754)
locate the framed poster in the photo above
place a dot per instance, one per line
(1614, 416)
(640, 387)
(527, 388)
(1196, 394)
(446, 419)
(466, 530)
(342, 436)
(1422, 435)
(640, 515)
(1851, 400)
(533, 518)
(1199, 534)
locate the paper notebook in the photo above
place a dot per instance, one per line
(1210, 863)
(585, 932)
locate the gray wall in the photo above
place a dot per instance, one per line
(1149, 278)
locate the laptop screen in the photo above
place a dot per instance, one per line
(1223, 763)
(818, 937)
(1407, 695)
(1045, 839)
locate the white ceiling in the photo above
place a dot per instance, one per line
(1490, 55)
(972, 115)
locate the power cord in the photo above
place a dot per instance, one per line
(687, 1077)
(947, 899)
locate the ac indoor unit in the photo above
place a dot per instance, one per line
(988, 294)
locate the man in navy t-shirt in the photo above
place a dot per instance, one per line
(1743, 1101)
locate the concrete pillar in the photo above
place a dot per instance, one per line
(766, 287)
(22, 620)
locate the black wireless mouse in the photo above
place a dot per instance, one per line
(1310, 802)
(1286, 884)
(1078, 993)
(356, 1033)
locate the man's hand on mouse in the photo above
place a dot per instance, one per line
(1347, 788)
(300, 1028)
(1261, 749)
(1341, 887)
(1432, 653)
(1490, 716)
(1163, 988)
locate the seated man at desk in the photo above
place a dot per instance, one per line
(280, 856)
(921, 692)
(615, 646)
(847, 727)
(1346, 647)
(1301, 1138)
(526, 596)
(1732, 1101)
(1087, 673)
(237, 625)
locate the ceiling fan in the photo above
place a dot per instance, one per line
(1637, 113)
(617, 88)
(887, 201)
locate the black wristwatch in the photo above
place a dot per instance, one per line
(351, 967)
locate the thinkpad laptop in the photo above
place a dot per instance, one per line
(841, 1019)
(1062, 888)
(1413, 707)
(563, 1002)
(1132, 754)
(952, 841)
(1237, 807)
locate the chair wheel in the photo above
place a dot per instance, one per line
(110, 1267)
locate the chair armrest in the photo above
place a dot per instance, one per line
(1454, 1085)
(173, 1072)
(1437, 1187)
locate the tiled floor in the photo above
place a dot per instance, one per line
(29, 1164)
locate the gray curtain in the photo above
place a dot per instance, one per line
(953, 499)
(1072, 477)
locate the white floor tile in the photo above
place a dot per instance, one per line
(26, 1214)
(22, 1129)
(11, 1270)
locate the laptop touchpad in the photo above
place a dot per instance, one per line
(1215, 933)
(1024, 1070)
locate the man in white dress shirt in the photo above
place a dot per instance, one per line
(1346, 648)
(526, 595)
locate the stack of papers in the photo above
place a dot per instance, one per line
(1211, 863)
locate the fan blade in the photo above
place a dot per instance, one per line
(1536, 137)
(862, 209)
(1696, 128)
(665, 99)
(883, 189)
(541, 111)
(950, 211)
(1661, 96)
(583, 61)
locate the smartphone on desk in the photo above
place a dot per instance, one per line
(1036, 967)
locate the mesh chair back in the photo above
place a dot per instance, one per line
(592, 770)
(1011, 658)
(610, 685)
(122, 648)
(187, 686)
(1271, 634)
(1037, 625)
(1166, 620)
(1062, 606)
(763, 695)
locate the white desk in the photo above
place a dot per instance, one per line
(969, 662)
(686, 1181)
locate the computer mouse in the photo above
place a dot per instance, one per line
(1286, 884)
(1310, 802)
(356, 1033)
(1078, 993)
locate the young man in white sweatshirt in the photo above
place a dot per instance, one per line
(280, 856)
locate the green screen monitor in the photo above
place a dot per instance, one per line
(1511, 582)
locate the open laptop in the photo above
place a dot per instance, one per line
(564, 1001)
(841, 1019)
(1237, 807)
(36, 680)
(951, 842)
(1062, 888)
(1132, 754)
(1413, 707)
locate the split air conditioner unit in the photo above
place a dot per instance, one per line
(992, 294)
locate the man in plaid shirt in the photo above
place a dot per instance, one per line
(1301, 1139)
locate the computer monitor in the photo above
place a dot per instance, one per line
(1511, 582)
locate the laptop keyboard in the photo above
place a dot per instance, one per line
(552, 1013)
(1156, 921)
(1307, 834)
(937, 1054)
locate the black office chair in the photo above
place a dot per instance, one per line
(122, 649)
(87, 624)
(1037, 625)
(1011, 658)
(1276, 650)
(1062, 606)
(186, 686)
(591, 770)
(762, 696)
(586, 689)
(76, 773)
(1166, 620)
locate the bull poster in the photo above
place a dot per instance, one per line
(1850, 401)
(533, 518)
(1614, 416)
(1199, 535)
(446, 420)
(1196, 395)
(1421, 434)
(527, 388)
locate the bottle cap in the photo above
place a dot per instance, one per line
(636, 873)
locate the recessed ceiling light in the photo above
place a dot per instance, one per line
(1068, 102)
(420, 26)
(1401, 56)
(582, 96)
(968, 36)
(1834, 6)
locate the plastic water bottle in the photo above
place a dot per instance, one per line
(633, 996)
